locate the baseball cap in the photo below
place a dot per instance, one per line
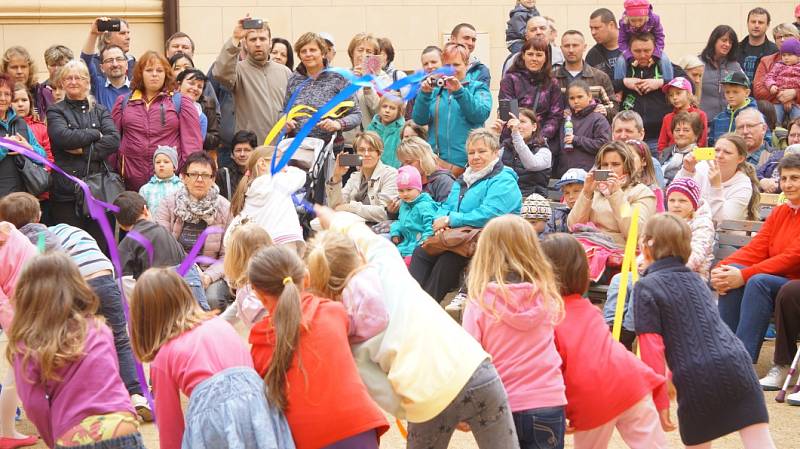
(572, 176)
(736, 78)
(679, 82)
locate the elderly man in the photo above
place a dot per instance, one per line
(605, 32)
(756, 45)
(466, 35)
(752, 127)
(536, 27)
(628, 125)
(573, 45)
(102, 39)
(258, 85)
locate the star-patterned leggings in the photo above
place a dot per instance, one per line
(483, 404)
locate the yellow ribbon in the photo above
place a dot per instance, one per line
(628, 269)
(402, 429)
(302, 110)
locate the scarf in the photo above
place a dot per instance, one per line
(193, 211)
(472, 176)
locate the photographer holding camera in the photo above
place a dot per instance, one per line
(452, 107)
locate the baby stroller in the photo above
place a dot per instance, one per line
(316, 158)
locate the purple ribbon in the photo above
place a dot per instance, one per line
(194, 254)
(147, 244)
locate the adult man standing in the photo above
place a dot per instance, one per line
(756, 45)
(465, 34)
(102, 39)
(179, 42)
(258, 85)
(537, 27)
(604, 54)
(573, 45)
(111, 81)
(751, 126)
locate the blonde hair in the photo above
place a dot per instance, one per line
(486, 136)
(53, 309)
(245, 241)
(261, 152)
(162, 308)
(362, 38)
(279, 272)
(332, 258)
(418, 149)
(745, 167)
(394, 98)
(21, 52)
(79, 67)
(508, 251)
(667, 235)
(371, 138)
(311, 38)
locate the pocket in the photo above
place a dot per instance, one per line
(541, 429)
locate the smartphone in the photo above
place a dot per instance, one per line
(508, 107)
(601, 175)
(350, 160)
(704, 153)
(372, 64)
(109, 25)
(252, 24)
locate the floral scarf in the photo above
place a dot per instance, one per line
(193, 211)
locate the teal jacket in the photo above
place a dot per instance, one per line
(450, 118)
(415, 223)
(724, 122)
(390, 134)
(492, 196)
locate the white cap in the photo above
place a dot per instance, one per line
(328, 37)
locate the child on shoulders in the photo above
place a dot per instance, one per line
(639, 18)
(518, 22)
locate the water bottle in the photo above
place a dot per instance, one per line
(568, 132)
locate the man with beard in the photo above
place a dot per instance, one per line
(258, 85)
(111, 81)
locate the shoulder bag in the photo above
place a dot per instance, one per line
(105, 185)
(461, 241)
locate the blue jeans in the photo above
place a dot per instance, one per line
(747, 310)
(780, 113)
(541, 428)
(106, 288)
(610, 306)
(192, 278)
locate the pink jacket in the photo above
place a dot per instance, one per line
(702, 240)
(143, 129)
(784, 76)
(15, 250)
(519, 336)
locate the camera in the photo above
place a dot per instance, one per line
(437, 82)
(113, 25)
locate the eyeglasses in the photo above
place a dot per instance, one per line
(199, 176)
(73, 78)
(365, 151)
(119, 59)
(747, 126)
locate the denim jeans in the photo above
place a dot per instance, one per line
(192, 278)
(610, 306)
(105, 287)
(541, 428)
(748, 309)
(780, 113)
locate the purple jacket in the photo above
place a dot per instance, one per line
(523, 87)
(591, 131)
(144, 129)
(653, 25)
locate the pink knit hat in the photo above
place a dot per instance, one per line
(637, 8)
(408, 178)
(688, 187)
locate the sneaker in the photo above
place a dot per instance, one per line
(12, 443)
(457, 304)
(142, 407)
(793, 399)
(774, 379)
(771, 333)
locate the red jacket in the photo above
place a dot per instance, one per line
(327, 402)
(666, 139)
(39, 130)
(143, 129)
(775, 249)
(603, 379)
(760, 90)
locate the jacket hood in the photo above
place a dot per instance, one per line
(523, 309)
(440, 172)
(10, 116)
(422, 198)
(175, 179)
(309, 306)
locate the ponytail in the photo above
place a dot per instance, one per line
(278, 271)
(332, 260)
(753, 213)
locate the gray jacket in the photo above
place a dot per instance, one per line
(712, 100)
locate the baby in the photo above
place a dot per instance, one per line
(785, 74)
(416, 213)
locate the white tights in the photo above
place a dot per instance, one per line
(753, 437)
(8, 407)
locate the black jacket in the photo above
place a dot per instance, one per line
(529, 181)
(73, 124)
(167, 252)
(10, 179)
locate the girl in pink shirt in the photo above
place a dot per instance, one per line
(514, 305)
(195, 353)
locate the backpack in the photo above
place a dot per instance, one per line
(176, 102)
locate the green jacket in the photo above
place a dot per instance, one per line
(390, 134)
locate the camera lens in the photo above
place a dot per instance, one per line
(440, 82)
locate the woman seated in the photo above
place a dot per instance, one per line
(189, 211)
(608, 202)
(371, 188)
(728, 183)
(486, 190)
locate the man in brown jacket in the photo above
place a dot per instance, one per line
(573, 45)
(258, 85)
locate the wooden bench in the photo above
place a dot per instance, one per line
(767, 203)
(553, 194)
(732, 235)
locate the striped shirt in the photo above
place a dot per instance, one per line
(82, 248)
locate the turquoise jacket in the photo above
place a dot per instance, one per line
(450, 118)
(724, 122)
(415, 223)
(390, 134)
(494, 195)
(158, 189)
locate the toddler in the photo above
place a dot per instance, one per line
(684, 201)
(518, 22)
(417, 211)
(164, 181)
(785, 74)
(679, 93)
(639, 18)
(536, 210)
(388, 123)
(590, 130)
(571, 185)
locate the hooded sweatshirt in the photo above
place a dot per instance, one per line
(15, 250)
(326, 400)
(518, 333)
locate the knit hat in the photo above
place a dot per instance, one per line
(791, 46)
(797, 11)
(408, 178)
(536, 207)
(736, 77)
(169, 152)
(572, 176)
(637, 8)
(792, 149)
(688, 187)
(679, 82)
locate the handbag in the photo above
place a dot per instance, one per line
(461, 241)
(105, 186)
(35, 177)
